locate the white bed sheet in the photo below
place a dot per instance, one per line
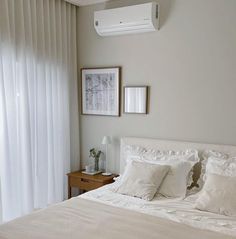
(177, 210)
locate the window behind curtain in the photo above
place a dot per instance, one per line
(38, 74)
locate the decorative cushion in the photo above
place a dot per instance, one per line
(218, 195)
(142, 179)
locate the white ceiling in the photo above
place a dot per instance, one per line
(85, 2)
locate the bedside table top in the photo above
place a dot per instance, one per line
(97, 178)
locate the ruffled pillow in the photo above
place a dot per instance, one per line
(181, 164)
(207, 154)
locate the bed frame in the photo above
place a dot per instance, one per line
(172, 145)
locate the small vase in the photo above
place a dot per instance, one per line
(96, 165)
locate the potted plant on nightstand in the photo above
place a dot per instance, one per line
(95, 154)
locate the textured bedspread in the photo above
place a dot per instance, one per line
(84, 219)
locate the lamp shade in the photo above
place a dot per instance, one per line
(106, 140)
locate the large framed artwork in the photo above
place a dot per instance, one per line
(101, 91)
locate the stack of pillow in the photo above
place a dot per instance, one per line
(218, 177)
(153, 171)
(169, 173)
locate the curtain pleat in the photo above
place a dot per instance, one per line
(38, 103)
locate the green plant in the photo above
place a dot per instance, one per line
(93, 153)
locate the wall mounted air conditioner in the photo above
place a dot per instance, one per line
(127, 20)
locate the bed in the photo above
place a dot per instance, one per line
(103, 213)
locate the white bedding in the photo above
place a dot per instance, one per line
(80, 218)
(177, 210)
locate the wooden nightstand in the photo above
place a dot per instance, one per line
(87, 182)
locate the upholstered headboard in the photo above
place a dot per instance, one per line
(170, 145)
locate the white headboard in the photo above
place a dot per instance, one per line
(170, 145)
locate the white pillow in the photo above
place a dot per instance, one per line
(207, 154)
(133, 152)
(181, 163)
(142, 179)
(182, 178)
(179, 175)
(218, 195)
(224, 167)
(175, 183)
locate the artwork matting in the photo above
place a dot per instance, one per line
(100, 91)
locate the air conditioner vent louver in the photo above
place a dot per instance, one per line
(127, 20)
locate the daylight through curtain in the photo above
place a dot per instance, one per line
(38, 103)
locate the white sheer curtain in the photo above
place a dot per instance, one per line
(38, 103)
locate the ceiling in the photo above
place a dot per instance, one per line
(85, 2)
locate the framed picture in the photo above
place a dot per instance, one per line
(100, 91)
(136, 99)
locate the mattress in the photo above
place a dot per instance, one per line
(178, 210)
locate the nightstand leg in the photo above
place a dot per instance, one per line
(69, 191)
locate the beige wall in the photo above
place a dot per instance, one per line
(189, 64)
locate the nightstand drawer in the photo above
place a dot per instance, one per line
(84, 184)
(87, 182)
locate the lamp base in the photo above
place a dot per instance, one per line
(106, 174)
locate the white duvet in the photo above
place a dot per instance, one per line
(177, 210)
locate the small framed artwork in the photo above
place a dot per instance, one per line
(101, 91)
(136, 99)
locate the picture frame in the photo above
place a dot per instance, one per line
(135, 100)
(100, 91)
